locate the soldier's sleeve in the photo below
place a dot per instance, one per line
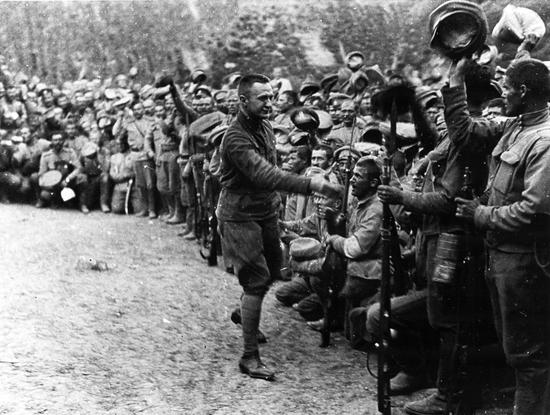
(304, 227)
(43, 164)
(258, 170)
(364, 238)
(535, 198)
(428, 203)
(149, 143)
(478, 133)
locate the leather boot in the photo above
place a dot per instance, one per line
(151, 203)
(168, 207)
(178, 216)
(142, 202)
(435, 404)
(405, 383)
(254, 367)
(236, 318)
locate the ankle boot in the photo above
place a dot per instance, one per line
(178, 216)
(151, 203)
(167, 207)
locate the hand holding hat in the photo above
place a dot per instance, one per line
(163, 81)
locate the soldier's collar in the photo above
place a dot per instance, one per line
(366, 201)
(533, 118)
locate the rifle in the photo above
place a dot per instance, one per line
(210, 239)
(460, 393)
(388, 223)
(335, 265)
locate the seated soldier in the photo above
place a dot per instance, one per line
(62, 159)
(301, 291)
(26, 160)
(362, 247)
(93, 180)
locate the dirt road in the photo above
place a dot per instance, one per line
(152, 335)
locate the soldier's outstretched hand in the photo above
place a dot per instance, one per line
(320, 185)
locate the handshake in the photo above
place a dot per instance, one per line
(320, 185)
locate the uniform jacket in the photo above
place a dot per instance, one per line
(249, 175)
(363, 246)
(518, 205)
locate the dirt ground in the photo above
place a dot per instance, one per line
(152, 335)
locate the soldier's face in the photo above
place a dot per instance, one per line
(70, 130)
(12, 93)
(26, 134)
(513, 97)
(348, 113)
(283, 103)
(259, 102)
(319, 159)
(335, 114)
(160, 112)
(232, 104)
(63, 101)
(57, 142)
(138, 111)
(362, 183)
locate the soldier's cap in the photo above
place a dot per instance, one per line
(352, 54)
(338, 96)
(298, 138)
(198, 76)
(345, 151)
(343, 75)
(458, 28)
(89, 149)
(325, 120)
(302, 249)
(305, 119)
(309, 86)
(41, 88)
(280, 129)
(374, 75)
(104, 122)
(405, 131)
(329, 82)
(232, 79)
(220, 95)
(486, 55)
(215, 137)
(371, 134)
(359, 80)
(204, 89)
(427, 96)
(368, 148)
(398, 90)
(122, 102)
(146, 91)
(110, 94)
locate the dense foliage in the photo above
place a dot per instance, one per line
(67, 40)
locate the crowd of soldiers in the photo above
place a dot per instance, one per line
(154, 149)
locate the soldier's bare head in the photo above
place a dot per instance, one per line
(256, 95)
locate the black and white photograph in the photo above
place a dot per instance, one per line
(290, 207)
